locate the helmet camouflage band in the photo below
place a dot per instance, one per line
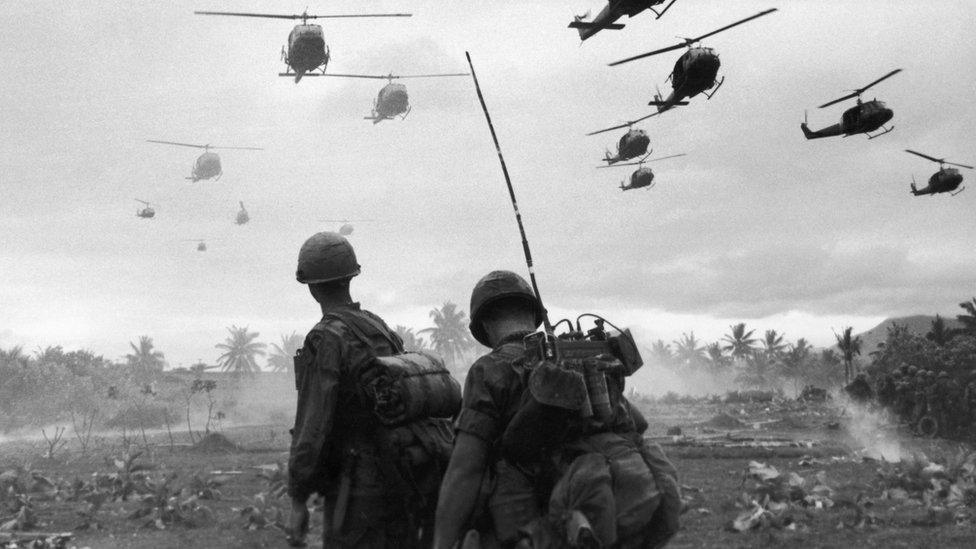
(494, 286)
(326, 257)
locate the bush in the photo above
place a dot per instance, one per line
(144, 416)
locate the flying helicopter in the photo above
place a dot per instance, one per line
(615, 9)
(147, 212)
(695, 70)
(632, 144)
(392, 99)
(861, 118)
(201, 245)
(643, 177)
(946, 180)
(306, 50)
(345, 227)
(242, 216)
(207, 165)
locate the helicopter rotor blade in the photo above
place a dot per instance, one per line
(925, 156)
(960, 165)
(393, 76)
(858, 92)
(690, 41)
(625, 124)
(885, 77)
(178, 144)
(666, 157)
(143, 201)
(301, 16)
(239, 148)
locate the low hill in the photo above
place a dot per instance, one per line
(918, 324)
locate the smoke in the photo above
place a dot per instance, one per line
(873, 431)
(657, 380)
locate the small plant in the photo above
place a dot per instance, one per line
(82, 424)
(55, 442)
(166, 506)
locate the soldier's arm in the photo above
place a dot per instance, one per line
(318, 394)
(460, 488)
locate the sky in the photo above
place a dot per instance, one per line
(755, 224)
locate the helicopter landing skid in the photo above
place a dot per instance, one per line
(661, 13)
(886, 130)
(957, 192)
(404, 115)
(720, 82)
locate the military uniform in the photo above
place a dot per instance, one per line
(335, 435)
(340, 448)
(517, 493)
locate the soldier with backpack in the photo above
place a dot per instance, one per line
(529, 468)
(372, 428)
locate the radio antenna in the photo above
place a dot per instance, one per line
(511, 194)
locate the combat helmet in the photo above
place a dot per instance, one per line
(326, 257)
(494, 286)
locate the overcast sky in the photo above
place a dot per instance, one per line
(755, 224)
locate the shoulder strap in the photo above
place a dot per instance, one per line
(355, 323)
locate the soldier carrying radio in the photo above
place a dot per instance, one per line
(372, 431)
(544, 436)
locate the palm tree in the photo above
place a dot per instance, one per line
(717, 360)
(282, 357)
(688, 351)
(449, 336)
(740, 343)
(411, 341)
(795, 362)
(850, 346)
(144, 359)
(240, 349)
(773, 344)
(939, 333)
(662, 353)
(969, 319)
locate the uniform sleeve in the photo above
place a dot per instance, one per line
(480, 415)
(318, 385)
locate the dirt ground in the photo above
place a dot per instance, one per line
(713, 454)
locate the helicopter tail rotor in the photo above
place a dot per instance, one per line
(914, 189)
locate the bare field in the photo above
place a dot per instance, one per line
(813, 441)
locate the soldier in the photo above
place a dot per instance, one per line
(969, 399)
(511, 502)
(339, 448)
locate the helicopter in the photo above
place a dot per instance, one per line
(695, 70)
(392, 100)
(306, 50)
(946, 180)
(643, 177)
(345, 227)
(615, 9)
(147, 212)
(862, 118)
(207, 165)
(201, 245)
(632, 144)
(242, 216)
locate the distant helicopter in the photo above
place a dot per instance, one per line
(306, 50)
(615, 9)
(201, 245)
(392, 100)
(346, 228)
(695, 70)
(242, 216)
(643, 177)
(632, 144)
(946, 180)
(147, 212)
(862, 118)
(207, 165)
